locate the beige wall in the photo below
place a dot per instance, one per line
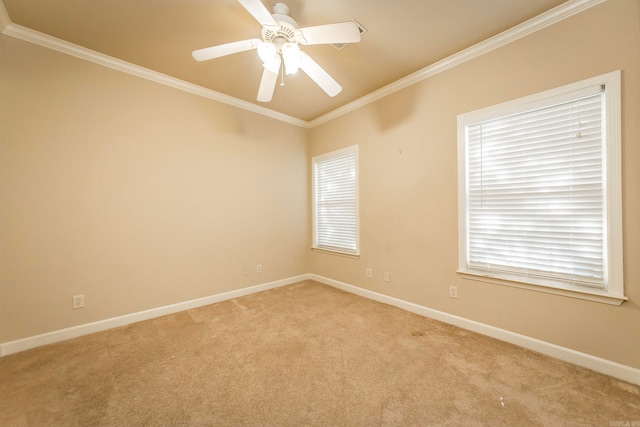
(408, 187)
(134, 194)
(138, 195)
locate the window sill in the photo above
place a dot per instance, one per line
(594, 296)
(338, 253)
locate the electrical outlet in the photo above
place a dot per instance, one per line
(369, 272)
(387, 276)
(259, 268)
(453, 292)
(78, 301)
(245, 271)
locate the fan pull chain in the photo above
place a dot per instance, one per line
(282, 73)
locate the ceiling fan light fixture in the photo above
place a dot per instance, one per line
(279, 43)
(291, 57)
(273, 65)
(267, 52)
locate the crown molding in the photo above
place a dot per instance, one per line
(557, 14)
(59, 45)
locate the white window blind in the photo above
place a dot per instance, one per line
(536, 193)
(335, 178)
(540, 193)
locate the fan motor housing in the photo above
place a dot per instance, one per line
(285, 33)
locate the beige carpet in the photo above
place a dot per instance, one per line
(305, 354)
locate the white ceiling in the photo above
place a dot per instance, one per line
(403, 37)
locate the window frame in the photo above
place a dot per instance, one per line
(614, 290)
(352, 150)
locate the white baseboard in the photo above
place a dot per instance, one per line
(114, 322)
(604, 366)
(607, 367)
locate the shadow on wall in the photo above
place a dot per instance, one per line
(225, 119)
(395, 109)
(236, 123)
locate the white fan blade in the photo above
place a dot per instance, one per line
(319, 75)
(268, 82)
(259, 12)
(225, 49)
(342, 32)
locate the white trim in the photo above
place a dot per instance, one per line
(578, 294)
(336, 253)
(114, 322)
(59, 45)
(603, 366)
(613, 125)
(555, 95)
(607, 367)
(557, 14)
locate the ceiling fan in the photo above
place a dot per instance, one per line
(279, 43)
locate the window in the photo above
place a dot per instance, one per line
(540, 192)
(335, 201)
